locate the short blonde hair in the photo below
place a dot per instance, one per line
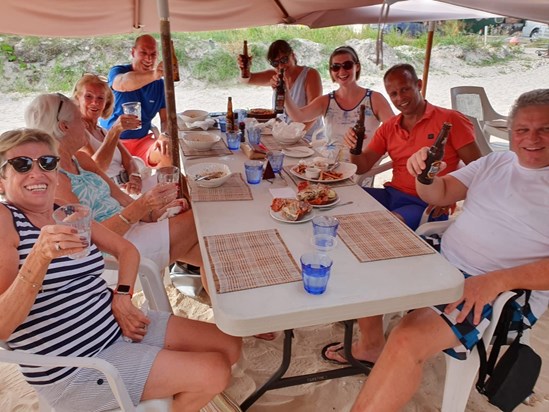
(95, 79)
(18, 137)
(45, 112)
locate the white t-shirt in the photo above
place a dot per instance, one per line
(505, 220)
(116, 164)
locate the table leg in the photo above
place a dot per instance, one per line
(277, 381)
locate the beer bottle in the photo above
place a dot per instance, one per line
(230, 116)
(280, 93)
(245, 71)
(434, 156)
(175, 64)
(359, 130)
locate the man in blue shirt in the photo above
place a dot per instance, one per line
(141, 81)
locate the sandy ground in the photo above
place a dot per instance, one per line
(503, 84)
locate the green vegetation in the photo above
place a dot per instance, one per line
(36, 64)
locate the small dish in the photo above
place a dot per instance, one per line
(312, 172)
(305, 218)
(298, 152)
(190, 116)
(201, 140)
(199, 174)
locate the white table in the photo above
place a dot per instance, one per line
(355, 289)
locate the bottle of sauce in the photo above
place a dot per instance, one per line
(359, 130)
(242, 128)
(230, 116)
(434, 156)
(280, 94)
(245, 71)
(175, 63)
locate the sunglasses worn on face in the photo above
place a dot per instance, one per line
(282, 60)
(23, 164)
(348, 65)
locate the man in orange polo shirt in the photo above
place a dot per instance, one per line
(141, 81)
(417, 125)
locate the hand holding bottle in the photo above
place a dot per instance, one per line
(416, 162)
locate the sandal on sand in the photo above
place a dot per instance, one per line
(338, 350)
(221, 403)
(266, 336)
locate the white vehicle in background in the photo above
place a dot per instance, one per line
(535, 30)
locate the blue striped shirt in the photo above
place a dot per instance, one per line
(72, 314)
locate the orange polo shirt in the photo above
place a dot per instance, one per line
(391, 138)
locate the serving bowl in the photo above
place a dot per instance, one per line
(201, 172)
(190, 116)
(201, 140)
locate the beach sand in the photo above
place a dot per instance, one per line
(503, 83)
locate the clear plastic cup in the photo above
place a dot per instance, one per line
(133, 108)
(325, 225)
(168, 174)
(78, 217)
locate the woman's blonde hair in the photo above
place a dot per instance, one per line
(95, 79)
(18, 137)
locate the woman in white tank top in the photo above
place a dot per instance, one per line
(340, 107)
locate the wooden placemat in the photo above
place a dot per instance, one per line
(235, 188)
(250, 260)
(218, 149)
(297, 180)
(379, 235)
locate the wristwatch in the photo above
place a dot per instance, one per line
(123, 290)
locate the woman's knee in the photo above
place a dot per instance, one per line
(234, 349)
(220, 373)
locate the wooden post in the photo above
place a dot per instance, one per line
(427, 63)
(169, 91)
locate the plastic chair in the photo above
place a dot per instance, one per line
(153, 288)
(473, 101)
(461, 374)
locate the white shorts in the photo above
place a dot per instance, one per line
(152, 240)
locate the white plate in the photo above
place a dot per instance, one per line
(333, 202)
(347, 170)
(278, 216)
(298, 152)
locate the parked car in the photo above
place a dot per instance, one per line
(535, 30)
(414, 29)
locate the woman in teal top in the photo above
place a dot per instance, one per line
(81, 180)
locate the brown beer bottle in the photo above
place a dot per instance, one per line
(280, 93)
(359, 130)
(245, 71)
(175, 64)
(434, 156)
(230, 116)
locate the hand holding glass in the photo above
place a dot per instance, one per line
(78, 217)
(133, 108)
(168, 174)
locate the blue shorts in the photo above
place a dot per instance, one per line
(410, 207)
(469, 333)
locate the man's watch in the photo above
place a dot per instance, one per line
(123, 290)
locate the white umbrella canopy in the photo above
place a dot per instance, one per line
(78, 18)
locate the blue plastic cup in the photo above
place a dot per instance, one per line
(254, 171)
(325, 225)
(276, 159)
(315, 270)
(222, 123)
(254, 135)
(233, 140)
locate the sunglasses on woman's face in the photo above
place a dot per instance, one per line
(282, 60)
(23, 164)
(348, 65)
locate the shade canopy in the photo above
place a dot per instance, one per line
(78, 18)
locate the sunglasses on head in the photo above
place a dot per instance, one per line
(61, 101)
(348, 65)
(100, 77)
(23, 164)
(282, 60)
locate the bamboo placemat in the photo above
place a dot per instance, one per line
(297, 180)
(218, 149)
(379, 235)
(235, 188)
(250, 260)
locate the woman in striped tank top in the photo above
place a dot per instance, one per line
(53, 304)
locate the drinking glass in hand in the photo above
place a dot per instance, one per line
(168, 174)
(78, 217)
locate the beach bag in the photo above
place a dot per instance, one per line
(513, 376)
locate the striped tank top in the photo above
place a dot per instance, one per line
(72, 314)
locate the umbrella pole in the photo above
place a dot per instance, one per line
(167, 58)
(427, 63)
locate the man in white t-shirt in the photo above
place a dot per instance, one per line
(500, 242)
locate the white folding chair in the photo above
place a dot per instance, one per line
(461, 374)
(473, 101)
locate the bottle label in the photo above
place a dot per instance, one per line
(434, 169)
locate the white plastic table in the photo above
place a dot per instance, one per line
(354, 290)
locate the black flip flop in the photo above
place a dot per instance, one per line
(336, 362)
